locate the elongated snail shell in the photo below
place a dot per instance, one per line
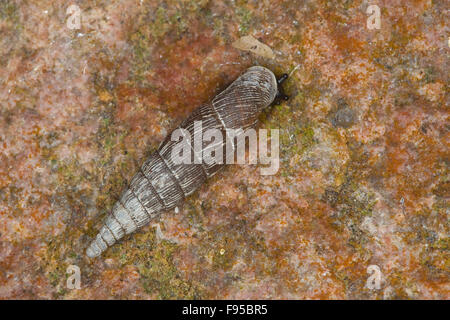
(160, 184)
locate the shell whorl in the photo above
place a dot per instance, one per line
(160, 184)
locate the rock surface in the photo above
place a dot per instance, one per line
(364, 142)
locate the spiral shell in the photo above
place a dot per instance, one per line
(160, 184)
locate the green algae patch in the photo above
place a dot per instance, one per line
(154, 260)
(245, 20)
(161, 275)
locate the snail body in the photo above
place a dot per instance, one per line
(162, 183)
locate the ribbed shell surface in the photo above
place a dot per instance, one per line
(160, 184)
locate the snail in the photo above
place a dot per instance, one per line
(162, 183)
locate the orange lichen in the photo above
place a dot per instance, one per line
(363, 176)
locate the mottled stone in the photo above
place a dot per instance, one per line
(363, 176)
(344, 116)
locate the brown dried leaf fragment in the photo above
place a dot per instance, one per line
(249, 43)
